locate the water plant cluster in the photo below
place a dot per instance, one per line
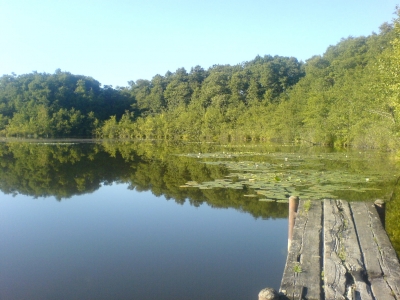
(68, 169)
(276, 176)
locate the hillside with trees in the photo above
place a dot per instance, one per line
(59, 104)
(347, 96)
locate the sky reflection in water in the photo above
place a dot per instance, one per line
(121, 244)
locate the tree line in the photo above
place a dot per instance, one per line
(347, 96)
(59, 104)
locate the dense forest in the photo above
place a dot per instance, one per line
(347, 96)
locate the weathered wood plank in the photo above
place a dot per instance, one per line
(312, 250)
(380, 259)
(334, 270)
(302, 274)
(390, 263)
(353, 261)
(359, 261)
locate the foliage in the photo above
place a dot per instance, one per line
(307, 205)
(392, 218)
(297, 268)
(59, 104)
(347, 96)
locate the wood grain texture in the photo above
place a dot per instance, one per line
(380, 258)
(358, 260)
(334, 270)
(302, 274)
(353, 260)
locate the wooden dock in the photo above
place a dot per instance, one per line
(338, 250)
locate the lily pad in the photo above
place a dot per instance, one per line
(279, 175)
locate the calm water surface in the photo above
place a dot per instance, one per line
(142, 221)
(121, 244)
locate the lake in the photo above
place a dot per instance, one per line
(144, 220)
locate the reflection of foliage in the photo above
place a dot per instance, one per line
(277, 175)
(59, 170)
(178, 169)
(392, 219)
(63, 170)
(163, 173)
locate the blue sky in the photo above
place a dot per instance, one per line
(120, 40)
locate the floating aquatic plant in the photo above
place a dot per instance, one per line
(276, 176)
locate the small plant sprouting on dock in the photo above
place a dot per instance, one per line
(342, 254)
(307, 205)
(345, 224)
(297, 268)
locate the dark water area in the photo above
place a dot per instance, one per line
(115, 220)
